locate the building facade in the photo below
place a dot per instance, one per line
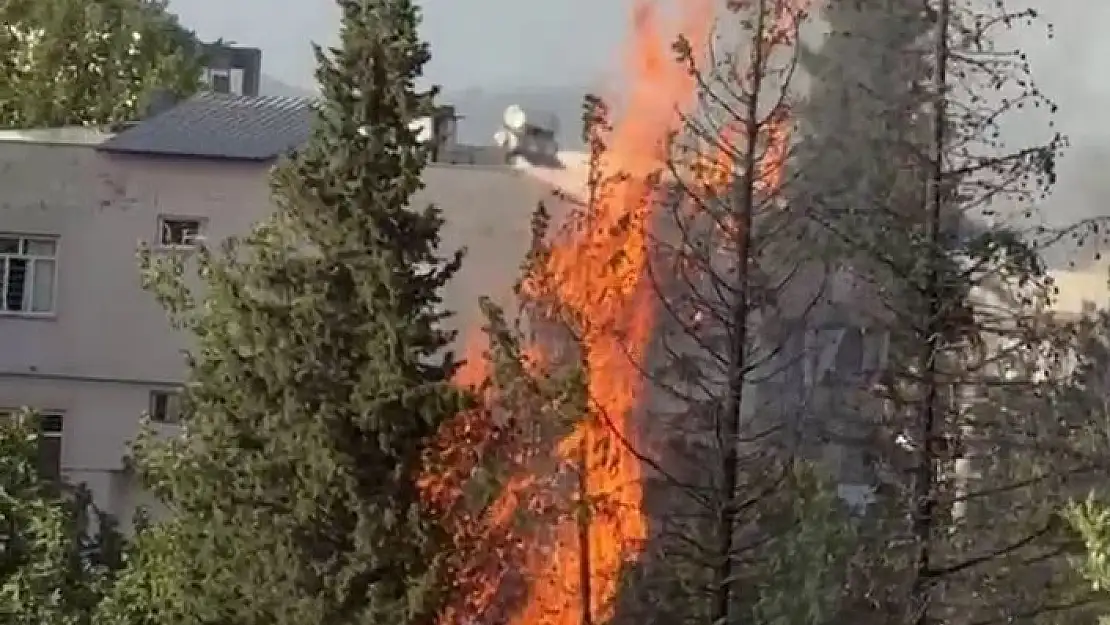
(231, 69)
(83, 343)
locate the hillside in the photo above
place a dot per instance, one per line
(268, 85)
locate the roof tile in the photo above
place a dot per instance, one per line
(218, 125)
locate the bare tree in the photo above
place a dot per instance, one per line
(740, 519)
(936, 222)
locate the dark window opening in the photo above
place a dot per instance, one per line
(165, 407)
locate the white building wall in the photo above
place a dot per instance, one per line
(108, 344)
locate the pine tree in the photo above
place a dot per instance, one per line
(964, 443)
(747, 529)
(319, 375)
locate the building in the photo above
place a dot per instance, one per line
(82, 342)
(231, 69)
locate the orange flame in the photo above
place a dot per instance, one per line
(714, 168)
(595, 275)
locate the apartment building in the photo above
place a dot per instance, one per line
(84, 344)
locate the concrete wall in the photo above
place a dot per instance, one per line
(108, 345)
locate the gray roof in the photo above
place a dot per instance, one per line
(219, 125)
(250, 128)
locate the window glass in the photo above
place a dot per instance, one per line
(165, 406)
(179, 232)
(50, 441)
(15, 291)
(42, 287)
(27, 273)
(40, 247)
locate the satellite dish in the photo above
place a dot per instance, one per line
(506, 140)
(515, 118)
(423, 128)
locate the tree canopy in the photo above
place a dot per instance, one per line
(89, 62)
(320, 375)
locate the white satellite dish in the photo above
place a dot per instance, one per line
(515, 118)
(506, 140)
(423, 127)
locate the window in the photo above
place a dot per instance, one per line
(845, 354)
(165, 407)
(225, 80)
(179, 231)
(28, 271)
(221, 82)
(50, 441)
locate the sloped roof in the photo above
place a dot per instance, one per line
(223, 126)
(249, 128)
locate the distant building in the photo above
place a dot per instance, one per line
(232, 69)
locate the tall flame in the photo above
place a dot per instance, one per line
(595, 274)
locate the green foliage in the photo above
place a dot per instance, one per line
(89, 62)
(53, 571)
(1091, 520)
(169, 576)
(803, 567)
(319, 375)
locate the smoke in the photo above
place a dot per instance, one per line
(1066, 52)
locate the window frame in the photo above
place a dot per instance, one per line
(28, 281)
(235, 78)
(874, 347)
(46, 434)
(168, 393)
(163, 220)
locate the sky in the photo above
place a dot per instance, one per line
(475, 43)
(501, 44)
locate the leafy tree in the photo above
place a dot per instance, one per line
(319, 373)
(77, 62)
(1091, 520)
(57, 553)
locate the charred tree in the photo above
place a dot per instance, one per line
(735, 281)
(935, 225)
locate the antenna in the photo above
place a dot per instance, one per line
(515, 118)
(506, 140)
(423, 127)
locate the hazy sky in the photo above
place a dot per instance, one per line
(498, 43)
(490, 43)
(506, 43)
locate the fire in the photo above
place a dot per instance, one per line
(715, 164)
(594, 276)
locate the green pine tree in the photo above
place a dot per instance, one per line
(319, 375)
